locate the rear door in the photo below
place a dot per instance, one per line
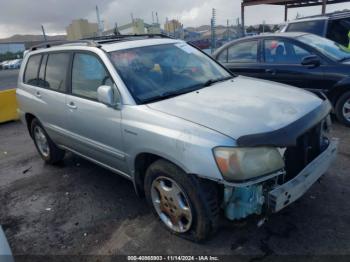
(46, 75)
(242, 58)
(282, 63)
(94, 128)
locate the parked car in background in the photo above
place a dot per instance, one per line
(15, 64)
(334, 26)
(191, 137)
(303, 60)
(5, 64)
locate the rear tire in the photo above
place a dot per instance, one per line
(199, 196)
(342, 109)
(47, 149)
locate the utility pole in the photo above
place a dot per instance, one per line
(99, 23)
(228, 30)
(43, 29)
(324, 4)
(263, 26)
(213, 30)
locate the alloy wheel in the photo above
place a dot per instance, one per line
(171, 204)
(41, 141)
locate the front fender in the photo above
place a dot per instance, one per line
(181, 142)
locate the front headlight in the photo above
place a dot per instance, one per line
(238, 164)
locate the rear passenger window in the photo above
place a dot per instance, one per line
(56, 71)
(31, 73)
(223, 56)
(245, 52)
(87, 75)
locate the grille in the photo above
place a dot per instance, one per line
(309, 145)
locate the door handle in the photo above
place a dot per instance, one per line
(270, 71)
(38, 94)
(72, 105)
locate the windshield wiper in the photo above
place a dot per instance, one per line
(171, 94)
(213, 81)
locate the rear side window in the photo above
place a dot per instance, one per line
(313, 27)
(56, 71)
(31, 73)
(245, 52)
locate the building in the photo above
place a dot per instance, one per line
(172, 26)
(81, 28)
(136, 27)
(153, 28)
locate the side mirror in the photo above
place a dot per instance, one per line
(106, 95)
(311, 61)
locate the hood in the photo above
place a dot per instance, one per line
(241, 106)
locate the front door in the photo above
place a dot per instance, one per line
(282, 63)
(95, 128)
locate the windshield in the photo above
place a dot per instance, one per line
(157, 72)
(327, 47)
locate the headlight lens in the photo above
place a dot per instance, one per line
(244, 163)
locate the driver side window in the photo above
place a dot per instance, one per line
(283, 52)
(88, 73)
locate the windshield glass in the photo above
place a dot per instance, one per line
(327, 47)
(157, 72)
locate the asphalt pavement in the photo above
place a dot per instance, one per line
(8, 79)
(79, 208)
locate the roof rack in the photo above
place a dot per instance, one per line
(98, 40)
(116, 38)
(63, 42)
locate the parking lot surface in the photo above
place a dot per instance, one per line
(80, 208)
(8, 79)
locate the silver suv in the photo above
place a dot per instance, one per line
(189, 135)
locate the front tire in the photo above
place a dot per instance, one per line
(342, 109)
(47, 149)
(186, 205)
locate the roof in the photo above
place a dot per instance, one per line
(137, 43)
(291, 3)
(334, 15)
(286, 34)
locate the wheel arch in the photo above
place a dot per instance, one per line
(142, 161)
(29, 118)
(338, 90)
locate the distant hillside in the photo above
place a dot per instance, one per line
(31, 38)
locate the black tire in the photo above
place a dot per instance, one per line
(55, 154)
(202, 196)
(339, 108)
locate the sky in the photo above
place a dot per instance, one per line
(27, 16)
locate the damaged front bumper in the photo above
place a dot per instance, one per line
(289, 192)
(241, 201)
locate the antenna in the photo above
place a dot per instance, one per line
(43, 29)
